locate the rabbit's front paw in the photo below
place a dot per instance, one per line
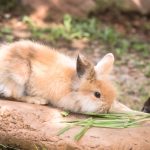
(39, 101)
(35, 100)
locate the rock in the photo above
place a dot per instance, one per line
(29, 127)
(56, 9)
(141, 6)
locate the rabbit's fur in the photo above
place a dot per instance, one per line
(146, 107)
(34, 73)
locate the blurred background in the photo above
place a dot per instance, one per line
(92, 27)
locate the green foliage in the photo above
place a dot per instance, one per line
(6, 30)
(90, 29)
(5, 147)
(146, 26)
(74, 29)
(70, 29)
(30, 23)
(64, 113)
(6, 34)
(147, 70)
(109, 35)
(141, 47)
(37, 147)
(122, 46)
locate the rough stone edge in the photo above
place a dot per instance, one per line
(35, 131)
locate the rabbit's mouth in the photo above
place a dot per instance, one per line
(100, 107)
(103, 108)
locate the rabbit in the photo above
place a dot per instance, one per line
(146, 107)
(34, 73)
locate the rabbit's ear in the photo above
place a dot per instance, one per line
(84, 68)
(105, 65)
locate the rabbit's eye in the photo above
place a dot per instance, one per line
(97, 94)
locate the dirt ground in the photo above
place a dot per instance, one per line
(131, 72)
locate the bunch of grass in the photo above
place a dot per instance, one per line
(118, 120)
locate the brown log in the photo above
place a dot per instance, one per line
(25, 125)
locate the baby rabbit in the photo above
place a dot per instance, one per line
(33, 73)
(146, 107)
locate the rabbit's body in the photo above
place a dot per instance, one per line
(34, 73)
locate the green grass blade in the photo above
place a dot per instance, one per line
(63, 130)
(116, 121)
(81, 133)
(64, 113)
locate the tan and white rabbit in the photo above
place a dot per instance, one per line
(33, 73)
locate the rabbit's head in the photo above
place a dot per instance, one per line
(93, 88)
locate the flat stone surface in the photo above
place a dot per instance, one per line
(26, 125)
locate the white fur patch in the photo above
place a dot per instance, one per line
(78, 102)
(66, 61)
(5, 90)
(18, 79)
(88, 105)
